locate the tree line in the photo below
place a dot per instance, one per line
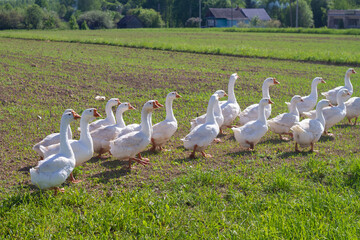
(94, 14)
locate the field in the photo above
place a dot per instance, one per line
(340, 49)
(271, 193)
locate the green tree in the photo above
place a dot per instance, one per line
(96, 19)
(84, 26)
(42, 3)
(62, 10)
(89, 5)
(149, 17)
(73, 23)
(305, 14)
(319, 9)
(250, 4)
(33, 17)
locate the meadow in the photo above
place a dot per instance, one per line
(271, 193)
(326, 48)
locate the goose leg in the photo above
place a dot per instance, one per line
(142, 162)
(252, 146)
(349, 120)
(192, 155)
(72, 179)
(57, 189)
(100, 155)
(312, 147)
(296, 147)
(355, 121)
(153, 148)
(143, 159)
(217, 140)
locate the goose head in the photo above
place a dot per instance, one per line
(350, 71)
(234, 76)
(70, 116)
(265, 101)
(343, 93)
(323, 103)
(318, 80)
(296, 99)
(90, 114)
(173, 95)
(270, 81)
(113, 102)
(220, 93)
(151, 105)
(123, 107)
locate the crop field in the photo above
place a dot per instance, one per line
(340, 49)
(270, 193)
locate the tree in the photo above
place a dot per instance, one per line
(42, 3)
(319, 9)
(250, 4)
(149, 17)
(33, 17)
(73, 23)
(89, 5)
(84, 26)
(305, 14)
(96, 19)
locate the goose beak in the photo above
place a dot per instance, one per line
(76, 116)
(156, 104)
(131, 107)
(96, 114)
(301, 100)
(353, 71)
(225, 95)
(348, 94)
(270, 102)
(178, 96)
(322, 81)
(118, 101)
(331, 105)
(275, 81)
(159, 104)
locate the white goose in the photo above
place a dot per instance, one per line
(251, 112)
(103, 135)
(333, 115)
(82, 148)
(54, 170)
(217, 111)
(230, 108)
(129, 145)
(282, 123)
(331, 94)
(204, 134)
(251, 133)
(110, 118)
(308, 131)
(51, 139)
(164, 130)
(309, 101)
(352, 108)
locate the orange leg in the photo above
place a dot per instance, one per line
(296, 147)
(153, 148)
(206, 155)
(143, 159)
(192, 155)
(72, 179)
(252, 146)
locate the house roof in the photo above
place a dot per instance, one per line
(260, 12)
(344, 12)
(235, 13)
(128, 19)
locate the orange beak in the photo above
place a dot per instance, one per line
(76, 116)
(331, 105)
(96, 114)
(348, 94)
(177, 95)
(275, 81)
(225, 95)
(270, 102)
(118, 102)
(322, 81)
(159, 104)
(131, 107)
(353, 71)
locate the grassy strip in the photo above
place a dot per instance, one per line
(318, 48)
(352, 31)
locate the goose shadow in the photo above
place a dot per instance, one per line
(325, 138)
(346, 125)
(293, 154)
(105, 177)
(97, 159)
(25, 170)
(186, 159)
(240, 153)
(274, 141)
(114, 164)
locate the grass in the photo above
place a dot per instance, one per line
(270, 193)
(326, 48)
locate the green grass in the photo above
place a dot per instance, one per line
(328, 48)
(272, 193)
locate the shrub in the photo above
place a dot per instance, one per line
(96, 20)
(193, 22)
(73, 23)
(84, 26)
(11, 19)
(149, 17)
(51, 20)
(272, 24)
(34, 17)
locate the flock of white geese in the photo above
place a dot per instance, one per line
(61, 154)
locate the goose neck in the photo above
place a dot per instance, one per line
(348, 84)
(231, 93)
(119, 119)
(65, 148)
(85, 133)
(320, 116)
(145, 122)
(340, 101)
(210, 116)
(293, 109)
(314, 92)
(169, 110)
(261, 116)
(265, 90)
(109, 113)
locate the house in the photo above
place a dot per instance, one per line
(228, 17)
(343, 19)
(130, 21)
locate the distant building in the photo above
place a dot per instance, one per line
(343, 19)
(130, 21)
(228, 17)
